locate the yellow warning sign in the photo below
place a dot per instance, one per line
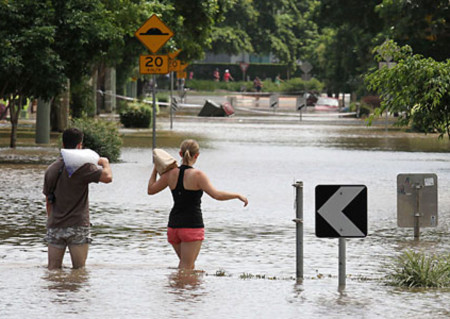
(173, 55)
(154, 33)
(154, 64)
(181, 75)
(183, 65)
(177, 65)
(174, 65)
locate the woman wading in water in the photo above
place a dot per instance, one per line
(186, 229)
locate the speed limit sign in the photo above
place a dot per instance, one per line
(154, 64)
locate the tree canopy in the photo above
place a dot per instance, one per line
(281, 27)
(348, 31)
(44, 43)
(422, 24)
(417, 88)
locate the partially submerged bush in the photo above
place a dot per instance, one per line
(137, 115)
(413, 269)
(162, 97)
(296, 85)
(371, 100)
(100, 136)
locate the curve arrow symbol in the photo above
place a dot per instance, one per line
(331, 211)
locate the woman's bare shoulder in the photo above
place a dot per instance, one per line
(173, 172)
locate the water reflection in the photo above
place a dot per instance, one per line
(187, 284)
(63, 281)
(186, 279)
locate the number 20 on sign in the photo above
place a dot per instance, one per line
(154, 64)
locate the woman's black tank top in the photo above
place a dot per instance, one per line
(186, 211)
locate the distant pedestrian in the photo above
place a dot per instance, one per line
(278, 80)
(216, 75)
(185, 229)
(227, 76)
(257, 84)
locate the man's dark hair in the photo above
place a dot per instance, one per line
(72, 137)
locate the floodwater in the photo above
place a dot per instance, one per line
(248, 257)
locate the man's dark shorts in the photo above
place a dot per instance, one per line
(68, 236)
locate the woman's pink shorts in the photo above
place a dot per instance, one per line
(178, 235)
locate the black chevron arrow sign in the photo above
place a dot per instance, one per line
(341, 211)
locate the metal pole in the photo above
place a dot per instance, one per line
(299, 229)
(386, 123)
(171, 97)
(342, 263)
(417, 214)
(154, 112)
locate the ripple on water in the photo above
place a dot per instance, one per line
(130, 266)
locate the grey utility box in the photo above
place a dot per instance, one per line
(417, 196)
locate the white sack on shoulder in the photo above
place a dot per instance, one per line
(75, 158)
(163, 161)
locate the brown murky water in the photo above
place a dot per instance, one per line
(131, 272)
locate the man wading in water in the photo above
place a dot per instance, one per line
(67, 204)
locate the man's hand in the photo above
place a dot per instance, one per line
(102, 161)
(106, 176)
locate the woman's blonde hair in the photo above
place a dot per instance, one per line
(189, 148)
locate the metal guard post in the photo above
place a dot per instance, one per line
(299, 229)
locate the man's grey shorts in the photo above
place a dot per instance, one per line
(68, 236)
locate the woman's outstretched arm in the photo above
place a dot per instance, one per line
(206, 186)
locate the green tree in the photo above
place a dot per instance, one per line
(191, 21)
(85, 33)
(44, 43)
(280, 27)
(128, 16)
(29, 65)
(422, 24)
(416, 87)
(348, 31)
(230, 34)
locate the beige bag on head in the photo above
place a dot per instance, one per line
(163, 161)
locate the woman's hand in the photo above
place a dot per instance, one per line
(243, 199)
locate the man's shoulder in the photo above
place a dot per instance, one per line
(88, 170)
(56, 165)
(89, 167)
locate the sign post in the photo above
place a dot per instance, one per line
(154, 34)
(274, 101)
(306, 67)
(244, 67)
(172, 56)
(342, 263)
(301, 103)
(341, 212)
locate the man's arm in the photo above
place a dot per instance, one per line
(48, 206)
(106, 176)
